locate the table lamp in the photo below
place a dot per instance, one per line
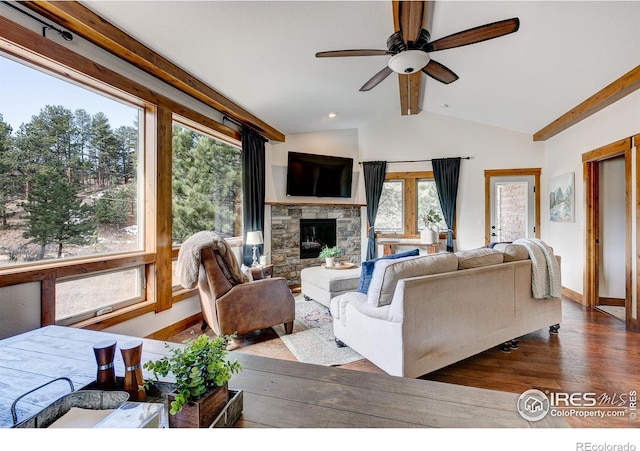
(254, 239)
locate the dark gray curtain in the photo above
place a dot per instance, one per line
(374, 172)
(253, 179)
(446, 172)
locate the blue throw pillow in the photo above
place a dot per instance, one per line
(366, 272)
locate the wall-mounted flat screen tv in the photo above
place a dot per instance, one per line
(318, 175)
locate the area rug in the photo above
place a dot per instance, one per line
(312, 340)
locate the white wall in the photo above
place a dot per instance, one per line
(563, 154)
(340, 143)
(428, 135)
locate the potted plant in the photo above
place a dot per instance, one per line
(329, 254)
(201, 372)
(429, 234)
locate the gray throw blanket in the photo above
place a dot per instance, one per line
(545, 271)
(188, 264)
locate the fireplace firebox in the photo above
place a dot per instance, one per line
(316, 234)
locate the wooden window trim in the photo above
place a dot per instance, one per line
(410, 200)
(37, 51)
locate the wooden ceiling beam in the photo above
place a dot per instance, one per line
(409, 93)
(82, 21)
(409, 84)
(608, 95)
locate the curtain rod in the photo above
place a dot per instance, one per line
(416, 161)
(65, 34)
(241, 125)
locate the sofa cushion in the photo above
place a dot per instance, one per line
(387, 273)
(512, 252)
(475, 258)
(369, 265)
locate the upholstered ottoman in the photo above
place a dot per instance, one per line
(321, 284)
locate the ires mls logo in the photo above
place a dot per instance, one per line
(534, 405)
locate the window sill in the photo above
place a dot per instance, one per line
(116, 317)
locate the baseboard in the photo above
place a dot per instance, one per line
(173, 329)
(574, 296)
(616, 302)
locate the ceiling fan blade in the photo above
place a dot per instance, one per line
(409, 18)
(376, 79)
(362, 52)
(477, 34)
(439, 72)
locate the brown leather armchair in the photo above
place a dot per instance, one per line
(230, 307)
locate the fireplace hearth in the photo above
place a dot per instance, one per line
(316, 234)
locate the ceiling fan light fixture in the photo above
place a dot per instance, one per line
(409, 61)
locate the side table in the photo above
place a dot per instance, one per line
(267, 271)
(389, 246)
(262, 272)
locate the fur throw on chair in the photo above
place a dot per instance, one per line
(188, 264)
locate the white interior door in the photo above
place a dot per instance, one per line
(512, 204)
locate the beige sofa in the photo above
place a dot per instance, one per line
(423, 313)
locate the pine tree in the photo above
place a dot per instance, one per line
(206, 185)
(56, 215)
(114, 205)
(103, 149)
(9, 181)
(126, 146)
(81, 142)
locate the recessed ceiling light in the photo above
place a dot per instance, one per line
(332, 115)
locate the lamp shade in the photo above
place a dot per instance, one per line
(409, 61)
(254, 238)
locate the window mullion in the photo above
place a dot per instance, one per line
(162, 217)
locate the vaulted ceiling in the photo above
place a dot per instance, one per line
(261, 55)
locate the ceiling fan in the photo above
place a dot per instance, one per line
(409, 47)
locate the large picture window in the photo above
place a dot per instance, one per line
(86, 205)
(68, 170)
(406, 198)
(70, 186)
(206, 183)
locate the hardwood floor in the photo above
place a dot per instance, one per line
(593, 353)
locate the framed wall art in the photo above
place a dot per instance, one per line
(561, 198)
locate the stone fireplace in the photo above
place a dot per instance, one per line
(294, 224)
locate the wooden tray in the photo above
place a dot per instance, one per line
(158, 391)
(342, 265)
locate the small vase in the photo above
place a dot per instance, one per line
(202, 412)
(428, 236)
(329, 261)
